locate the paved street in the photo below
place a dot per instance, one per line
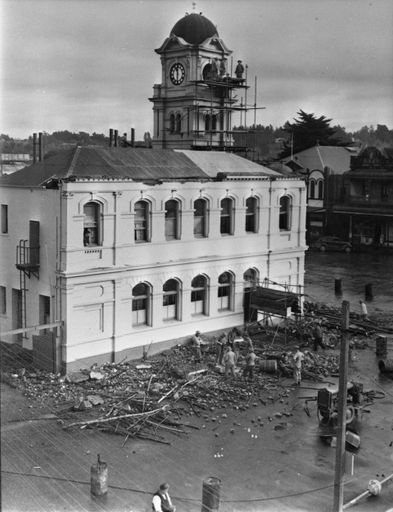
(45, 468)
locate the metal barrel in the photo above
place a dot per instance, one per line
(99, 478)
(386, 366)
(381, 345)
(269, 365)
(211, 494)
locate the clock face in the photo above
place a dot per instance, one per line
(177, 73)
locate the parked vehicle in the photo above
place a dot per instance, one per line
(332, 243)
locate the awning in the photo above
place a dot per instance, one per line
(277, 302)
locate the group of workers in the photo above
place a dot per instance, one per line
(228, 351)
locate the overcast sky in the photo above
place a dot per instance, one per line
(88, 65)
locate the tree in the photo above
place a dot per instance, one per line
(307, 131)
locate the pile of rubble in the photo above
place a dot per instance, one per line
(149, 398)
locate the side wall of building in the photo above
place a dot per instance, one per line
(23, 206)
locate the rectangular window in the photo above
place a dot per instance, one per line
(4, 219)
(3, 300)
(169, 303)
(139, 311)
(197, 302)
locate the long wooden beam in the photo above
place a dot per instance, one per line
(32, 328)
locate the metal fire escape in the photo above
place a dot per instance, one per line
(28, 264)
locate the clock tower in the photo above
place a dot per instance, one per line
(193, 105)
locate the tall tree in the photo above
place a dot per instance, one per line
(307, 131)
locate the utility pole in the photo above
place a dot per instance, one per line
(342, 410)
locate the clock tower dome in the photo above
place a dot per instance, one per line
(193, 104)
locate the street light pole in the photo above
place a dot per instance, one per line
(342, 409)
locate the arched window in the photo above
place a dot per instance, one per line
(207, 72)
(91, 224)
(171, 300)
(320, 189)
(311, 193)
(178, 123)
(141, 304)
(207, 122)
(214, 122)
(250, 278)
(251, 215)
(142, 221)
(285, 213)
(199, 296)
(224, 292)
(172, 220)
(227, 216)
(200, 218)
(172, 123)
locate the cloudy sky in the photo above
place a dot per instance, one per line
(88, 65)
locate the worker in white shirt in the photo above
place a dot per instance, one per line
(162, 501)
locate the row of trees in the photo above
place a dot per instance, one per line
(307, 131)
(266, 141)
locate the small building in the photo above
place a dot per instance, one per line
(364, 211)
(323, 168)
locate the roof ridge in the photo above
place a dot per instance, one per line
(73, 162)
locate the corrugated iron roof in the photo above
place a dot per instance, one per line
(138, 164)
(214, 162)
(337, 158)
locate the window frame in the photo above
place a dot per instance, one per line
(196, 292)
(145, 219)
(95, 225)
(285, 216)
(225, 292)
(3, 300)
(4, 219)
(252, 215)
(172, 123)
(178, 123)
(144, 312)
(172, 222)
(201, 232)
(170, 294)
(227, 217)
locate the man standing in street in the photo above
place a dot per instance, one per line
(229, 362)
(363, 310)
(248, 372)
(162, 501)
(196, 341)
(318, 336)
(297, 366)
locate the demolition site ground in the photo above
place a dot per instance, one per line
(168, 418)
